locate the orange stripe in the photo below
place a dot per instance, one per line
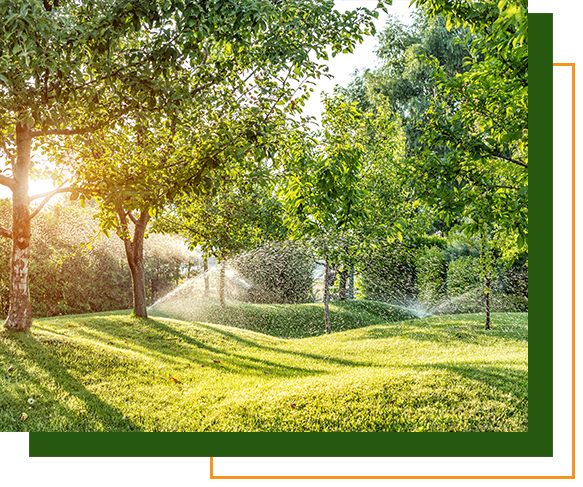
(562, 463)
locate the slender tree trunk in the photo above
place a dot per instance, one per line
(488, 291)
(205, 268)
(222, 285)
(134, 248)
(327, 297)
(342, 283)
(20, 312)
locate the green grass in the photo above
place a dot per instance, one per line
(115, 372)
(283, 320)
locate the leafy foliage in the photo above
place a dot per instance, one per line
(481, 117)
(463, 274)
(431, 275)
(74, 272)
(391, 275)
(275, 273)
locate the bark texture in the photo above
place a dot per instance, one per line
(342, 294)
(20, 312)
(134, 248)
(205, 268)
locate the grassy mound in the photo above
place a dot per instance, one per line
(282, 320)
(119, 373)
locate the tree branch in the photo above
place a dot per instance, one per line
(48, 196)
(52, 193)
(509, 159)
(132, 218)
(6, 181)
(4, 232)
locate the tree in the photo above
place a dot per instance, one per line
(70, 67)
(67, 68)
(323, 192)
(480, 116)
(404, 79)
(68, 252)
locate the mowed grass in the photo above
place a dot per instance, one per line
(283, 320)
(114, 372)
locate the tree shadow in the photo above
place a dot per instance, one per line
(96, 413)
(504, 378)
(164, 342)
(258, 362)
(470, 333)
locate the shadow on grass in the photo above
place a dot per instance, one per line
(471, 333)
(258, 364)
(97, 414)
(507, 379)
(250, 343)
(160, 340)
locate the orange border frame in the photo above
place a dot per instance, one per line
(562, 464)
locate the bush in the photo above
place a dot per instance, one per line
(274, 273)
(509, 303)
(463, 275)
(391, 276)
(431, 275)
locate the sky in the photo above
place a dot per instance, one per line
(341, 67)
(344, 65)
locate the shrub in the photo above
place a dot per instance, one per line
(66, 278)
(391, 276)
(431, 275)
(274, 273)
(463, 275)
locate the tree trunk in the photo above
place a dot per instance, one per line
(134, 248)
(327, 297)
(488, 291)
(222, 285)
(20, 312)
(205, 268)
(342, 283)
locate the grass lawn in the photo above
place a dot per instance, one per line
(113, 372)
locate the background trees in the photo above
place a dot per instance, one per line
(188, 115)
(238, 214)
(480, 117)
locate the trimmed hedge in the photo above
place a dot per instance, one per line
(391, 276)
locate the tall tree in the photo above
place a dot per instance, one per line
(404, 79)
(323, 193)
(67, 68)
(481, 117)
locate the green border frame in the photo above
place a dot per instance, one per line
(537, 441)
